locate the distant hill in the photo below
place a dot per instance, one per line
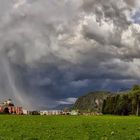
(63, 106)
(93, 101)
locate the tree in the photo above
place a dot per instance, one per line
(6, 110)
(135, 87)
(136, 101)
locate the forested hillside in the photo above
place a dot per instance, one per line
(123, 104)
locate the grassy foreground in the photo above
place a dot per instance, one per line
(69, 127)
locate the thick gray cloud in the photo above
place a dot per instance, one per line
(52, 51)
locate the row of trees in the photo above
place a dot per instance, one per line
(123, 104)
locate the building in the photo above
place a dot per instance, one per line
(74, 112)
(51, 112)
(26, 112)
(9, 108)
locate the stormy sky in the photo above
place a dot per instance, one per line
(53, 51)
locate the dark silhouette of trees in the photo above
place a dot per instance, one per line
(124, 103)
(6, 110)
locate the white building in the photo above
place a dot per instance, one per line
(50, 112)
(26, 112)
(74, 112)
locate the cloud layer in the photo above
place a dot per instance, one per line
(52, 51)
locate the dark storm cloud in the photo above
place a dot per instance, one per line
(54, 51)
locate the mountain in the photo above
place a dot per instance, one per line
(92, 101)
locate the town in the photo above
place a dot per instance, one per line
(8, 107)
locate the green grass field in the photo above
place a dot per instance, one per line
(69, 128)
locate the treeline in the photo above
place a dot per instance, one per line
(124, 103)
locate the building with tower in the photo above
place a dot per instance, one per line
(8, 107)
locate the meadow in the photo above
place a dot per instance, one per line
(69, 127)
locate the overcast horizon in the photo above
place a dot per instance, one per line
(53, 51)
